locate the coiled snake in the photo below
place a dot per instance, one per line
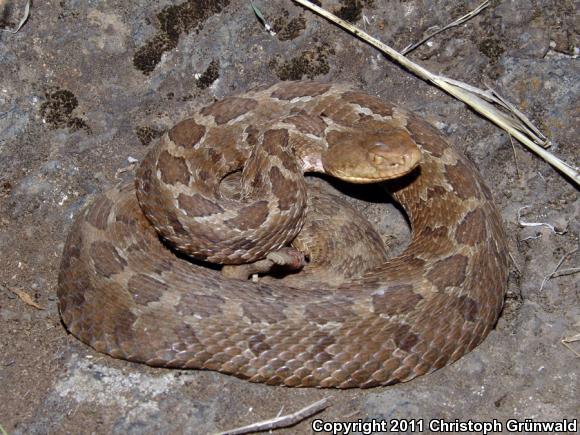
(123, 292)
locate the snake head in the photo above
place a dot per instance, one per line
(370, 157)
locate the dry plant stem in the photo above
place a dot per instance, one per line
(515, 263)
(553, 274)
(282, 421)
(565, 272)
(567, 340)
(494, 97)
(455, 23)
(475, 98)
(515, 157)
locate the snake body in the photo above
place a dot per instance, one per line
(125, 293)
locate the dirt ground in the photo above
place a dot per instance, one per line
(85, 86)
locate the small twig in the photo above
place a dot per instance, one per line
(542, 177)
(538, 224)
(455, 23)
(351, 415)
(3, 431)
(5, 114)
(567, 340)
(365, 21)
(551, 275)
(22, 20)
(515, 156)
(280, 422)
(515, 264)
(565, 272)
(486, 103)
(539, 235)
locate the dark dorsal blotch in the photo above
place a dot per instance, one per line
(300, 89)
(250, 216)
(173, 169)
(395, 300)
(187, 133)
(374, 104)
(229, 108)
(449, 272)
(107, 259)
(471, 230)
(197, 205)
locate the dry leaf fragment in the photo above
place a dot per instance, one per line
(26, 298)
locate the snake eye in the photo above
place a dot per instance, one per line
(379, 160)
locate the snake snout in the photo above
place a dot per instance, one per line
(395, 157)
(383, 155)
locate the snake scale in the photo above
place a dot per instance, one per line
(125, 293)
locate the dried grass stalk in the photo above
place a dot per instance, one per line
(281, 421)
(455, 23)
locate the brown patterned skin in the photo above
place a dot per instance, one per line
(125, 294)
(335, 245)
